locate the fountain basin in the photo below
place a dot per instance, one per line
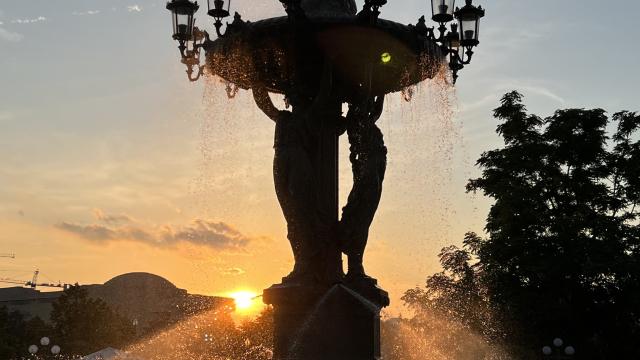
(275, 54)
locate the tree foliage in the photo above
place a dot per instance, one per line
(18, 333)
(83, 325)
(561, 257)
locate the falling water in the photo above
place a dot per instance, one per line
(423, 139)
(417, 211)
(206, 336)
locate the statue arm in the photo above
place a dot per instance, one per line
(262, 99)
(378, 106)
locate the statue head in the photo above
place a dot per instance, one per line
(329, 8)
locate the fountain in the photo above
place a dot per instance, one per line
(321, 55)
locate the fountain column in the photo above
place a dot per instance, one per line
(327, 319)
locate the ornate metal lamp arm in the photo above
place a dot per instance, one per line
(191, 58)
(459, 59)
(190, 73)
(218, 25)
(182, 47)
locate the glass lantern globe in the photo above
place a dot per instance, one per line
(182, 12)
(33, 349)
(453, 38)
(442, 10)
(557, 342)
(44, 341)
(469, 20)
(55, 349)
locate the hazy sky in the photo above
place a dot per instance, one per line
(112, 162)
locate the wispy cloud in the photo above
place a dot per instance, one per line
(110, 228)
(83, 13)
(233, 271)
(9, 36)
(539, 90)
(29, 21)
(134, 8)
(492, 98)
(111, 219)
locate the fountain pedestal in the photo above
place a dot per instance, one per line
(339, 322)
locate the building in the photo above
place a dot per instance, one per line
(148, 300)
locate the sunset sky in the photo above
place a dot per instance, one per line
(113, 162)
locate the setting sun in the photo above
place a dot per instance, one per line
(245, 300)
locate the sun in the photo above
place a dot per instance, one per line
(244, 300)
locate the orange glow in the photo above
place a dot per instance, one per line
(245, 300)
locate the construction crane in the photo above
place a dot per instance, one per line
(13, 256)
(33, 283)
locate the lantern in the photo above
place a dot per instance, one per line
(217, 10)
(182, 12)
(453, 38)
(469, 19)
(442, 10)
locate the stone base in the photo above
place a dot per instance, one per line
(340, 322)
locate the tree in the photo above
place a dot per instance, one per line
(83, 325)
(562, 251)
(12, 334)
(17, 333)
(562, 256)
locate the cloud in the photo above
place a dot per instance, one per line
(534, 89)
(110, 219)
(213, 234)
(9, 36)
(216, 235)
(134, 8)
(232, 271)
(83, 13)
(29, 21)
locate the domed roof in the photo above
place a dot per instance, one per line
(139, 280)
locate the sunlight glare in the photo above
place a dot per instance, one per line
(244, 300)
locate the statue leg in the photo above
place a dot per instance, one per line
(281, 171)
(294, 185)
(360, 210)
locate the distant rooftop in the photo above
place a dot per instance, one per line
(143, 297)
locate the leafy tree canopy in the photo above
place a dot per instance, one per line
(84, 325)
(561, 257)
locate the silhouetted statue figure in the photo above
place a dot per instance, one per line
(294, 178)
(368, 157)
(292, 174)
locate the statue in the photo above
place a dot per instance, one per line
(294, 167)
(368, 157)
(295, 164)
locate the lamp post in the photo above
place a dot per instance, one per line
(458, 43)
(45, 341)
(559, 350)
(321, 55)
